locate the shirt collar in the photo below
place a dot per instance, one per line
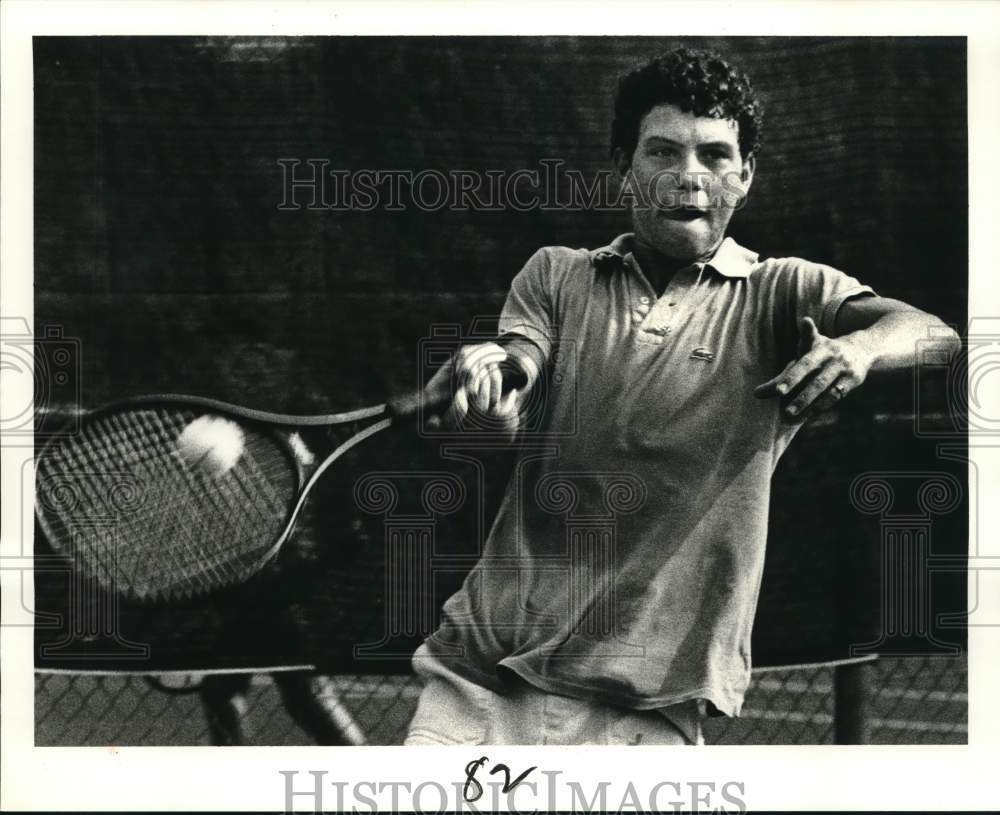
(729, 260)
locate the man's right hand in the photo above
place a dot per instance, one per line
(475, 374)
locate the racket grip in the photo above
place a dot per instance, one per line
(431, 402)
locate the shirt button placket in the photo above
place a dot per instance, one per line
(671, 298)
(661, 330)
(641, 310)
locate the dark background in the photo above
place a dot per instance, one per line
(160, 247)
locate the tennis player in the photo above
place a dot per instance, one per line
(696, 363)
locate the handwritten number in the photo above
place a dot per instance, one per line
(508, 785)
(471, 793)
(470, 778)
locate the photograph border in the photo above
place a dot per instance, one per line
(250, 778)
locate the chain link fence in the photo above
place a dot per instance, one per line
(910, 701)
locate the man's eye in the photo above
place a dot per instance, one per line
(717, 155)
(665, 152)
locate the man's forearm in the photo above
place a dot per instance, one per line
(892, 341)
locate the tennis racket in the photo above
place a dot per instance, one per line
(169, 497)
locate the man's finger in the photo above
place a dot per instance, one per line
(496, 387)
(508, 404)
(790, 378)
(802, 369)
(509, 413)
(480, 390)
(806, 400)
(837, 391)
(770, 388)
(486, 390)
(459, 408)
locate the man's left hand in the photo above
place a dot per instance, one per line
(825, 372)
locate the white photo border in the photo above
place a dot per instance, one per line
(196, 778)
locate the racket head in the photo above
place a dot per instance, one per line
(126, 502)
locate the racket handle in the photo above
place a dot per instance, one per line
(432, 402)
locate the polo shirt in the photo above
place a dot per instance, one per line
(625, 561)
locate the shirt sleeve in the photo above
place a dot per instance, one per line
(805, 289)
(528, 311)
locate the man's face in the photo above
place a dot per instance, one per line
(691, 177)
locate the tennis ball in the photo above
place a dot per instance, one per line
(211, 444)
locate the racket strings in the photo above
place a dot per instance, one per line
(254, 477)
(186, 530)
(230, 506)
(65, 470)
(174, 524)
(176, 516)
(91, 465)
(101, 510)
(256, 480)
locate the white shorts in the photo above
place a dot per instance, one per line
(453, 710)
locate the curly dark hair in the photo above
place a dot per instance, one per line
(700, 82)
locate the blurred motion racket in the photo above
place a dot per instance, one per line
(168, 497)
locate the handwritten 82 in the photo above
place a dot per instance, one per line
(473, 790)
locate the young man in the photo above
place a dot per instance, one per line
(696, 363)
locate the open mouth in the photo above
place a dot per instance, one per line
(685, 213)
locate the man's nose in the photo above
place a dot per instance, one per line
(692, 176)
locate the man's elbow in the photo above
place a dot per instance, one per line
(931, 331)
(940, 336)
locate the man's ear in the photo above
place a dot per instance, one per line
(622, 162)
(746, 174)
